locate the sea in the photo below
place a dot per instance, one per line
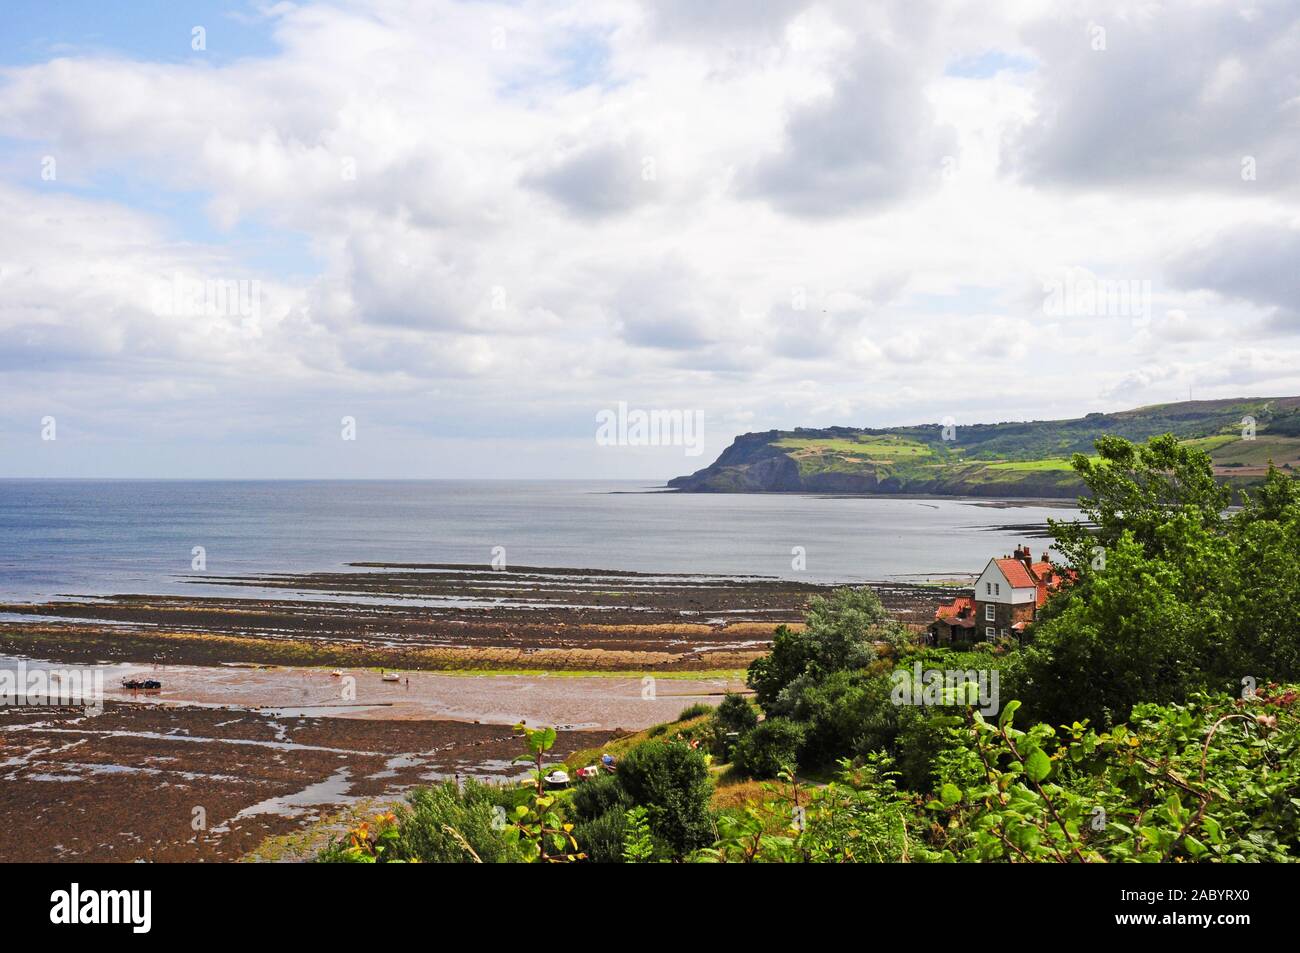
(70, 538)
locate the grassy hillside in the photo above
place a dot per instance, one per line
(1029, 458)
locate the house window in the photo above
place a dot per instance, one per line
(988, 588)
(997, 586)
(990, 613)
(989, 632)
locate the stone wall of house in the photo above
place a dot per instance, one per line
(1004, 616)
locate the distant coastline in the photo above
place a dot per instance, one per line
(1015, 460)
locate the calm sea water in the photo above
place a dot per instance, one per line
(85, 537)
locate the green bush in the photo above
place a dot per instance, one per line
(596, 797)
(671, 781)
(601, 838)
(733, 717)
(1212, 781)
(422, 824)
(735, 713)
(844, 714)
(769, 747)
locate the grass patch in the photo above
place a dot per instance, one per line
(1034, 466)
(1210, 444)
(1257, 452)
(621, 746)
(884, 448)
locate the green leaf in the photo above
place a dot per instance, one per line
(1037, 765)
(950, 794)
(1008, 713)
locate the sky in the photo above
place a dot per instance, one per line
(432, 238)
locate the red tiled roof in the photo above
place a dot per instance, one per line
(1050, 578)
(1017, 573)
(960, 612)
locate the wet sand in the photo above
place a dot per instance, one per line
(177, 783)
(605, 702)
(251, 725)
(269, 751)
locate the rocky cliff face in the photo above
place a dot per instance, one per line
(750, 465)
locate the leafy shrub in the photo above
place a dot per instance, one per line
(601, 838)
(769, 747)
(600, 795)
(638, 843)
(537, 819)
(1214, 780)
(923, 737)
(843, 714)
(438, 824)
(471, 812)
(735, 713)
(671, 781)
(733, 717)
(366, 843)
(860, 818)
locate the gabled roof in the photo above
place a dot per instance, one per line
(1017, 573)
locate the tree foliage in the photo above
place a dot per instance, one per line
(840, 633)
(671, 781)
(1172, 596)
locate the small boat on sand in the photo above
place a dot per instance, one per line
(336, 674)
(391, 677)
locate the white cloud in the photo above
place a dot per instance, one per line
(503, 218)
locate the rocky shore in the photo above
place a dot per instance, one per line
(440, 618)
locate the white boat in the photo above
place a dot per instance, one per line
(391, 677)
(336, 674)
(557, 777)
